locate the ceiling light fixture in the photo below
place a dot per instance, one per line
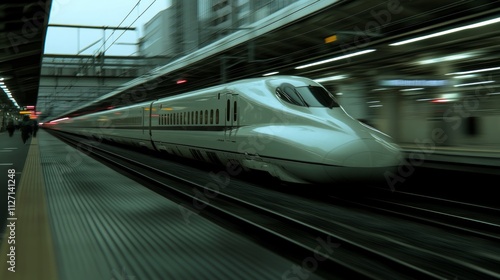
(474, 71)
(270, 73)
(335, 58)
(449, 31)
(411, 89)
(331, 78)
(473, 84)
(3, 86)
(446, 58)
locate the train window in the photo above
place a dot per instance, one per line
(217, 116)
(228, 110)
(211, 116)
(206, 116)
(201, 116)
(196, 118)
(309, 96)
(317, 97)
(192, 117)
(288, 93)
(235, 111)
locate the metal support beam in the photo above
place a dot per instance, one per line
(91, 26)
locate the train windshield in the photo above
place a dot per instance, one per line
(308, 96)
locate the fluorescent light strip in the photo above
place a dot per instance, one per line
(465, 77)
(453, 30)
(475, 71)
(271, 73)
(332, 78)
(472, 84)
(411, 89)
(3, 86)
(335, 58)
(447, 58)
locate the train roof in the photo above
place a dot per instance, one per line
(271, 82)
(277, 80)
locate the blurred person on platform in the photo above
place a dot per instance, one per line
(35, 127)
(11, 127)
(26, 128)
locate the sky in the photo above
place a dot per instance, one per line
(99, 13)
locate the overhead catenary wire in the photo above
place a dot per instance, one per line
(88, 60)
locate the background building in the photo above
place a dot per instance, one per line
(191, 24)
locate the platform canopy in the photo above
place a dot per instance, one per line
(23, 27)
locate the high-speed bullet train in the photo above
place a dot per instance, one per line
(288, 126)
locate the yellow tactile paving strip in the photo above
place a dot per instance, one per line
(34, 253)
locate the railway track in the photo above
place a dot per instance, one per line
(474, 219)
(320, 245)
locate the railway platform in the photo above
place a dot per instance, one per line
(75, 218)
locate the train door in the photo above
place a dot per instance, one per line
(231, 119)
(149, 123)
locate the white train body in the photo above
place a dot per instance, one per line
(290, 127)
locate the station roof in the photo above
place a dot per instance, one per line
(23, 27)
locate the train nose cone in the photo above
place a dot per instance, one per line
(361, 161)
(364, 153)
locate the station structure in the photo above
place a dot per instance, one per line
(407, 68)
